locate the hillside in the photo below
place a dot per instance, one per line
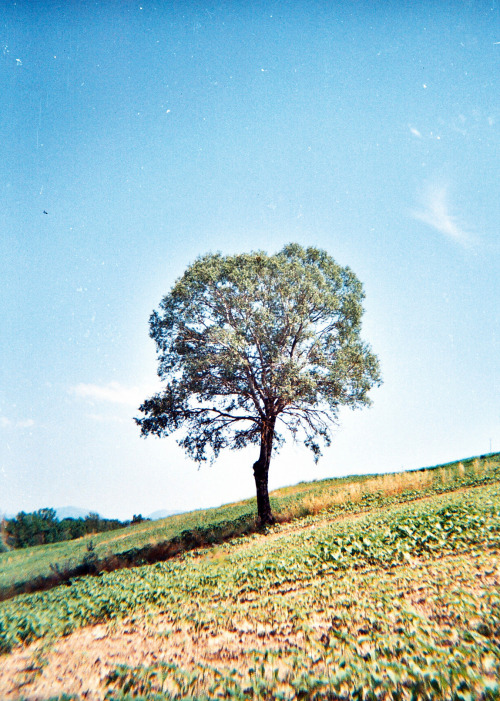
(386, 595)
(42, 567)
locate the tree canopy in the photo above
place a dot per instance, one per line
(43, 526)
(251, 345)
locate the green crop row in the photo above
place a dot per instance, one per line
(414, 532)
(450, 523)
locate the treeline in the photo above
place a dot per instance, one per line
(42, 527)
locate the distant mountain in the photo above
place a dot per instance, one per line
(163, 514)
(71, 512)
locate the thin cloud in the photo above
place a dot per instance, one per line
(113, 392)
(436, 214)
(5, 422)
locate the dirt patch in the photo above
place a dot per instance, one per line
(80, 663)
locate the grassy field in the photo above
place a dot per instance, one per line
(388, 589)
(41, 567)
(19, 567)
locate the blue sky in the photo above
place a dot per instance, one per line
(153, 132)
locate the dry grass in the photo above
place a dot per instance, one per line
(400, 482)
(354, 492)
(478, 467)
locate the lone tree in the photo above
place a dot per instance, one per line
(252, 343)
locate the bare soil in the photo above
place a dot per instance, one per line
(80, 663)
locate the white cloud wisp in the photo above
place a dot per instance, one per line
(5, 422)
(436, 214)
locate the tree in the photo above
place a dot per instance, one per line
(35, 528)
(92, 522)
(251, 344)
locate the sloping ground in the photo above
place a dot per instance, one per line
(399, 604)
(43, 567)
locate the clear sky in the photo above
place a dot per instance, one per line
(152, 132)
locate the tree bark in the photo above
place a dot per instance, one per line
(261, 473)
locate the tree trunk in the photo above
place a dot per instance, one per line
(261, 472)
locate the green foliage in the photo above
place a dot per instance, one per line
(43, 527)
(139, 518)
(414, 532)
(252, 335)
(31, 529)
